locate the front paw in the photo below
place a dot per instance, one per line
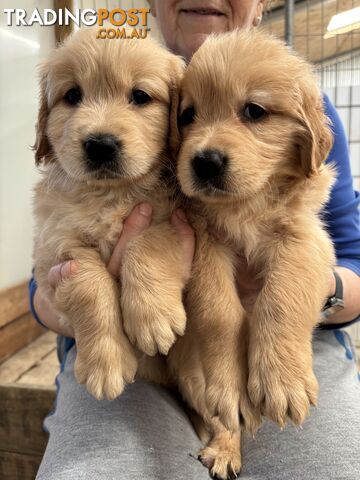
(281, 387)
(105, 371)
(153, 328)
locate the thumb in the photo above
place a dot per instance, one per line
(61, 272)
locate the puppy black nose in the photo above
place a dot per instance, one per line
(101, 149)
(209, 165)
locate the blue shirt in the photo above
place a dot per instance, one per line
(341, 214)
(342, 211)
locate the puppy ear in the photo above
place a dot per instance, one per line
(42, 147)
(316, 139)
(178, 69)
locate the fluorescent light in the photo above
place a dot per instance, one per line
(29, 43)
(343, 22)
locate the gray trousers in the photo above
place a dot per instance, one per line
(145, 433)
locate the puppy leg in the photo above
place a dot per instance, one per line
(152, 280)
(281, 379)
(222, 454)
(217, 319)
(90, 301)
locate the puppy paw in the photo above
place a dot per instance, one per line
(105, 372)
(222, 457)
(151, 328)
(282, 390)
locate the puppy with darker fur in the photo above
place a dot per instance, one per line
(252, 138)
(102, 142)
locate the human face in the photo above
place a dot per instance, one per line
(185, 24)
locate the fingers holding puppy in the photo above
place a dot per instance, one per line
(135, 224)
(138, 220)
(164, 316)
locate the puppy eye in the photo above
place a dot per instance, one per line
(140, 97)
(253, 111)
(73, 96)
(186, 117)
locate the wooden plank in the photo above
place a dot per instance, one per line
(26, 358)
(17, 334)
(23, 410)
(13, 303)
(16, 466)
(43, 373)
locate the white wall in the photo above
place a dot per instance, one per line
(21, 49)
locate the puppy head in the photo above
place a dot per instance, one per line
(105, 104)
(250, 112)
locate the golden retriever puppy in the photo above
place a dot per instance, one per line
(253, 138)
(102, 141)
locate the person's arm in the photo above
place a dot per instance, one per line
(134, 225)
(351, 286)
(341, 215)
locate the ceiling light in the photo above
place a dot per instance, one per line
(19, 38)
(343, 22)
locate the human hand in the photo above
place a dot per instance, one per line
(134, 225)
(138, 221)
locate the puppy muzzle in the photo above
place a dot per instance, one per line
(209, 169)
(102, 152)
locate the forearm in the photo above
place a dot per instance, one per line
(48, 316)
(351, 286)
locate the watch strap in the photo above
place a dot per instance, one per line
(339, 290)
(335, 303)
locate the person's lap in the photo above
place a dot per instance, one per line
(145, 434)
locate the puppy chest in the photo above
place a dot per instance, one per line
(103, 230)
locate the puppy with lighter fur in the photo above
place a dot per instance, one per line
(102, 142)
(252, 138)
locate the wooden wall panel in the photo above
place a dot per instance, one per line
(17, 334)
(13, 303)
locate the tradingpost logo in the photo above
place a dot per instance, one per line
(116, 23)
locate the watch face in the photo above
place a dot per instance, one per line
(332, 306)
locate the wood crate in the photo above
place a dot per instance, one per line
(17, 326)
(22, 438)
(28, 367)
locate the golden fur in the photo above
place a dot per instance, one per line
(267, 209)
(80, 213)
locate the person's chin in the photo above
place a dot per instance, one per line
(190, 44)
(194, 30)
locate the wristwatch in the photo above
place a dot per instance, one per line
(335, 303)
